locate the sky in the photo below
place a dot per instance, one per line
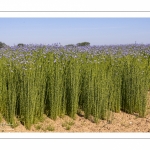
(96, 31)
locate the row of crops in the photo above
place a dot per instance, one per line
(56, 80)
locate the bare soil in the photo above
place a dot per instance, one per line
(121, 122)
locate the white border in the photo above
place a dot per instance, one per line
(74, 14)
(53, 135)
(76, 5)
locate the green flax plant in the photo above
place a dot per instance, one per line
(87, 90)
(73, 85)
(115, 84)
(30, 89)
(8, 91)
(54, 86)
(1, 84)
(28, 95)
(40, 85)
(135, 85)
(94, 91)
(103, 81)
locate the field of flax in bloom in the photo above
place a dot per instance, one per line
(56, 80)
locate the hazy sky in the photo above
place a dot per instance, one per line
(97, 31)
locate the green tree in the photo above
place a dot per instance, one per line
(20, 44)
(2, 45)
(83, 44)
(70, 45)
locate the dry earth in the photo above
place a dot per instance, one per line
(121, 122)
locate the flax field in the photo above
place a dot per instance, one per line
(61, 80)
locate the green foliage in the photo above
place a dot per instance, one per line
(20, 45)
(135, 85)
(70, 45)
(38, 127)
(2, 45)
(83, 44)
(0, 118)
(68, 127)
(72, 87)
(50, 128)
(67, 124)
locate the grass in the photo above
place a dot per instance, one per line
(50, 128)
(67, 124)
(16, 124)
(47, 128)
(38, 127)
(68, 127)
(1, 118)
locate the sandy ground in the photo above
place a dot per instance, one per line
(121, 122)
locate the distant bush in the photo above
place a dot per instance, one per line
(20, 44)
(83, 44)
(2, 45)
(70, 45)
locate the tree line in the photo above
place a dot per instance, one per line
(78, 44)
